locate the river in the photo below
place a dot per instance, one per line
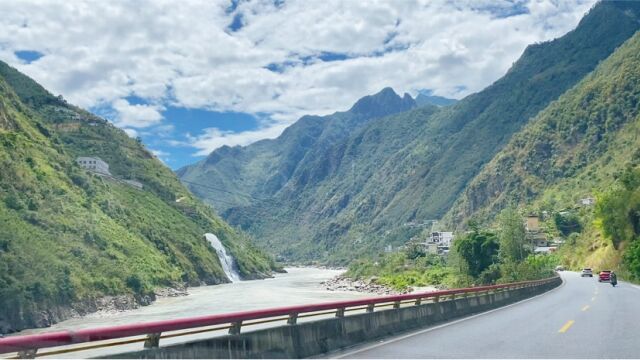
(297, 286)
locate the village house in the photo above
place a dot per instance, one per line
(589, 201)
(94, 164)
(534, 234)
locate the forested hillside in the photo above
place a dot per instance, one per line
(372, 188)
(68, 237)
(585, 144)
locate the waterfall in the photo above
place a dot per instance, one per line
(226, 260)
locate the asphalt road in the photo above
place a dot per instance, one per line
(580, 319)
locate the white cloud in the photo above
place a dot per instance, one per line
(214, 138)
(183, 54)
(136, 116)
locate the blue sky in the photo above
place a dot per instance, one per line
(190, 77)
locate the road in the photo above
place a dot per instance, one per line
(580, 319)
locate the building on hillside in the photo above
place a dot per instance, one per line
(534, 235)
(442, 238)
(438, 242)
(94, 164)
(589, 201)
(533, 223)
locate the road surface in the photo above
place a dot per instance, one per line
(580, 319)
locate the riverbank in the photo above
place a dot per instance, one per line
(104, 306)
(370, 286)
(343, 283)
(298, 286)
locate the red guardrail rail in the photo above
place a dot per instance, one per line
(29, 344)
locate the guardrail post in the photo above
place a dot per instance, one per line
(27, 354)
(453, 296)
(293, 319)
(340, 312)
(370, 308)
(436, 299)
(418, 301)
(396, 304)
(235, 328)
(152, 341)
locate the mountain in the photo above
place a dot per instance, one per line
(424, 99)
(231, 177)
(387, 180)
(569, 150)
(69, 238)
(578, 147)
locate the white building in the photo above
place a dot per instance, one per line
(587, 201)
(443, 239)
(94, 164)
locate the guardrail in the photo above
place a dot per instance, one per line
(27, 346)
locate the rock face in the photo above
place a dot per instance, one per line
(101, 307)
(52, 315)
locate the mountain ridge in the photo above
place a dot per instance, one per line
(246, 173)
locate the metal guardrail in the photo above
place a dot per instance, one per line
(27, 346)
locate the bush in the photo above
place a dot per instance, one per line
(135, 283)
(567, 223)
(631, 259)
(13, 202)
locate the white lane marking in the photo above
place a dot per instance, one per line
(382, 342)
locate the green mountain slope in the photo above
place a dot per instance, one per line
(231, 177)
(571, 149)
(579, 147)
(68, 238)
(372, 188)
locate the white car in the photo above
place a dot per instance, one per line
(586, 272)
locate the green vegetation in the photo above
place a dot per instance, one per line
(401, 270)
(478, 250)
(67, 237)
(478, 257)
(355, 194)
(618, 214)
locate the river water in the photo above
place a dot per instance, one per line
(297, 286)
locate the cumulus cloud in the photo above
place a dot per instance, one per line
(283, 58)
(213, 138)
(136, 116)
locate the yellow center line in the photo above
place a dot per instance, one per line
(566, 327)
(585, 308)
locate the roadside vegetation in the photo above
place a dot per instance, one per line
(478, 257)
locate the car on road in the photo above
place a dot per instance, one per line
(586, 272)
(560, 268)
(604, 276)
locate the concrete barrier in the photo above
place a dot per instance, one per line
(326, 335)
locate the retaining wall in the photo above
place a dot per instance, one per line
(326, 335)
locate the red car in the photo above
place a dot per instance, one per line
(604, 276)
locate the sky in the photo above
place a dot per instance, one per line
(190, 76)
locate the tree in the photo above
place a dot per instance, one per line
(567, 223)
(478, 249)
(512, 235)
